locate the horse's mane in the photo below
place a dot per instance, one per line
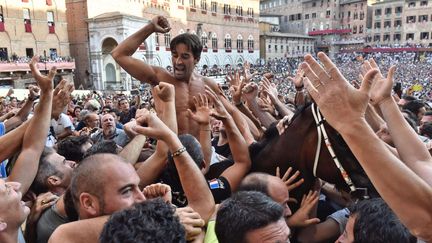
(272, 133)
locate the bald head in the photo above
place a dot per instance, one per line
(91, 175)
(255, 182)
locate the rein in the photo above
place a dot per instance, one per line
(319, 120)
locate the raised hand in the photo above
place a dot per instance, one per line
(219, 112)
(61, 97)
(158, 190)
(202, 113)
(289, 180)
(333, 94)
(266, 106)
(165, 91)
(382, 86)
(33, 92)
(161, 24)
(150, 125)
(269, 88)
(298, 79)
(191, 221)
(45, 82)
(250, 91)
(303, 216)
(247, 74)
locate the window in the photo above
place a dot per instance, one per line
(250, 12)
(167, 39)
(314, 15)
(50, 19)
(377, 25)
(354, 29)
(240, 43)
(2, 27)
(328, 14)
(204, 4)
(423, 3)
(29, 52)
(214, 42)
(275, 48)
(388, 11)
(376, 38)
(398, 10)
(411, 19)
(423, 18)
(227, 44)
(397, 23)
(424, 35)
(306, 16)
(227, 9)
(157, 41)
(269, 48)
(250, 43)
(361, 29)
(386, 37)
(180, 2)
(3, 54)
(204, 40)
(411, 5)
(192, 3)
(377, 12)
(214, 7)
(410, 36)
(396, 37)
(27, 21)
(239, 11)
(314, 4)
(387, 24)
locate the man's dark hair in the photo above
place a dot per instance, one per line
(255, 182)
(45, 170)
(191, 41)
(243, 212)
(426, 130)
(121, 99)
(376, 222)
(414, 106)
(409, 98)
(149, 221)
(71, 147)
(102, 147)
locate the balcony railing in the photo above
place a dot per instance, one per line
(24, 67)
(329, 32)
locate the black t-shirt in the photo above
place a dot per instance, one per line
(219, 187)
(223, 150)
(125, 117)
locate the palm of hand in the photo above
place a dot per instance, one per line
(202, 115)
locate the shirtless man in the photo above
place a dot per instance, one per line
(186, 52)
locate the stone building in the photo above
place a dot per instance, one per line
(228, 30)
(28, 28)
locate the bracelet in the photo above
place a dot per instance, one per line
(299, 88)
(178, 152)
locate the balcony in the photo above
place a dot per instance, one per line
(348, 42)
(24, 67)
(329, 32)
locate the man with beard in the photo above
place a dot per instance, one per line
(110, 132)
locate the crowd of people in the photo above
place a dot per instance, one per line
(173, 162)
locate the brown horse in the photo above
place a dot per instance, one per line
(296, 147)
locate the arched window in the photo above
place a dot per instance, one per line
(227, 42)
(214, 42)
(240, 43)
(204, 40)
(250, 43)
(167, 40)
(110, 73)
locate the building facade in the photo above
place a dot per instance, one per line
(276, 44)
(28, 28)
(228, 31)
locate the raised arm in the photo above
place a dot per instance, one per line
(411, 149)
(193, 182)
(23, 113)
(239, 148)
(35, 136)
(324, 84)
(124, 51)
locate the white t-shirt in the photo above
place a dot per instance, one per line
(62, 123)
